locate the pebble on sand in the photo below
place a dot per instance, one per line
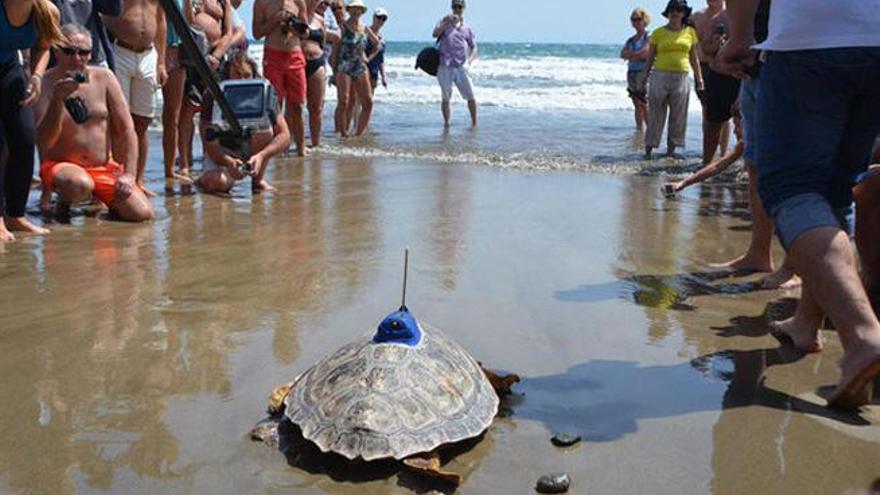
(565, 439)
(553, 483)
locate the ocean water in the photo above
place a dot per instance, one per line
(541, 107)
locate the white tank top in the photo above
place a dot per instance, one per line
(817, 24)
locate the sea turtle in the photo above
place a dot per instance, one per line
(396, 393)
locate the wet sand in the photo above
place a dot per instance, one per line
(136, 357)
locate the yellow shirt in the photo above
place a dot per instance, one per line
(672, 48)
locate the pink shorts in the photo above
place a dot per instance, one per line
(287, 73)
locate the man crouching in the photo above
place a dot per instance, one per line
(78, 105)
(222, 170)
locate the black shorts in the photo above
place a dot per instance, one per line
(721, 93)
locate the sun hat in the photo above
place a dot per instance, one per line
(677, 4)
(380, 12)
(356, 4)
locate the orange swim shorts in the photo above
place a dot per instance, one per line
(104, 177)
(287, 73)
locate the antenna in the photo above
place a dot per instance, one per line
(405, 270)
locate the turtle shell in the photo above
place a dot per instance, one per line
(375, 401)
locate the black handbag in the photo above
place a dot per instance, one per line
(428, 60)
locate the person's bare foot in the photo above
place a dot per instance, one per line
(859, 366)
(5, 235)
(261, 186)
(746, 263)
(784, 278)
(22, 224)
(803, 335)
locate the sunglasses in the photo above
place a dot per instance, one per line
(71, 51)
(635, 19)
(382, 18)
(458, 7)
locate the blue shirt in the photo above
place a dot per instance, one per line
(634, 45)
(13, 39)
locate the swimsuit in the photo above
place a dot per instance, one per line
(376, 63)
(315, 64)
(104, 177)
(352, 56)
(286, 71)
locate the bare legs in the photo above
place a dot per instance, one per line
(824, 258)
(293, 114)
(74, 185)
(315, 95)
(447, 112)
(172, 97)
(141, 125)
(641, 113)
(186, 131)
(363, 96)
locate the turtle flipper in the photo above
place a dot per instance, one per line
(501, 383)
(276, 398)
(429, 465)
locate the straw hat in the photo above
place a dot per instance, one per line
(356, 4)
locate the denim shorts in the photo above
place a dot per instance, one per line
(817, 117)
(748, 101)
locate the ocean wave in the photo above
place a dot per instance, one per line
(622, 165)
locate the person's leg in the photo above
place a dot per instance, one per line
(351, 110)
(444, 78)
(72, 184)
(868, 233)
(657, 107)
(343, 83)
(141, 126)
(133, 206)
(19, 132)
(711, 138)
(294, 114)
(216, 180)
(365, 98)
(259, 184)
(296, 94)
(185, 135)
(466, 90)
(316, 105)
(142, 104)
(724, 137)
(757, 257)
(817, 118)
(803, 328)
(172, 103)
(679, 96)
(339, 112)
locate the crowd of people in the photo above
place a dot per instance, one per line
(796, 80)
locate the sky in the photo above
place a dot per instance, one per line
(559, 21)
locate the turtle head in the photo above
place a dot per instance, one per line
(400, 327)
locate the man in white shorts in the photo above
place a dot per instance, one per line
(457, 50)
(139, 53)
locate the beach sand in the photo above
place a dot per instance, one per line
(137, 357)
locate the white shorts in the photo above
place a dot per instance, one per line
(136, 73)
(458, 75)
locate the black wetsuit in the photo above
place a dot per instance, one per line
(17, 133)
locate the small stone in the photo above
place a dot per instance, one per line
(553, 483)
(565, 439)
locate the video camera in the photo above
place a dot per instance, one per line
(232, 135)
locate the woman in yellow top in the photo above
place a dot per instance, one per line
(673, 52)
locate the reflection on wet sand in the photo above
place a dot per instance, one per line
(140, 356)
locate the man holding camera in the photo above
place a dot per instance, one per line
(457, 50)
(78, 106)
(282, 23)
